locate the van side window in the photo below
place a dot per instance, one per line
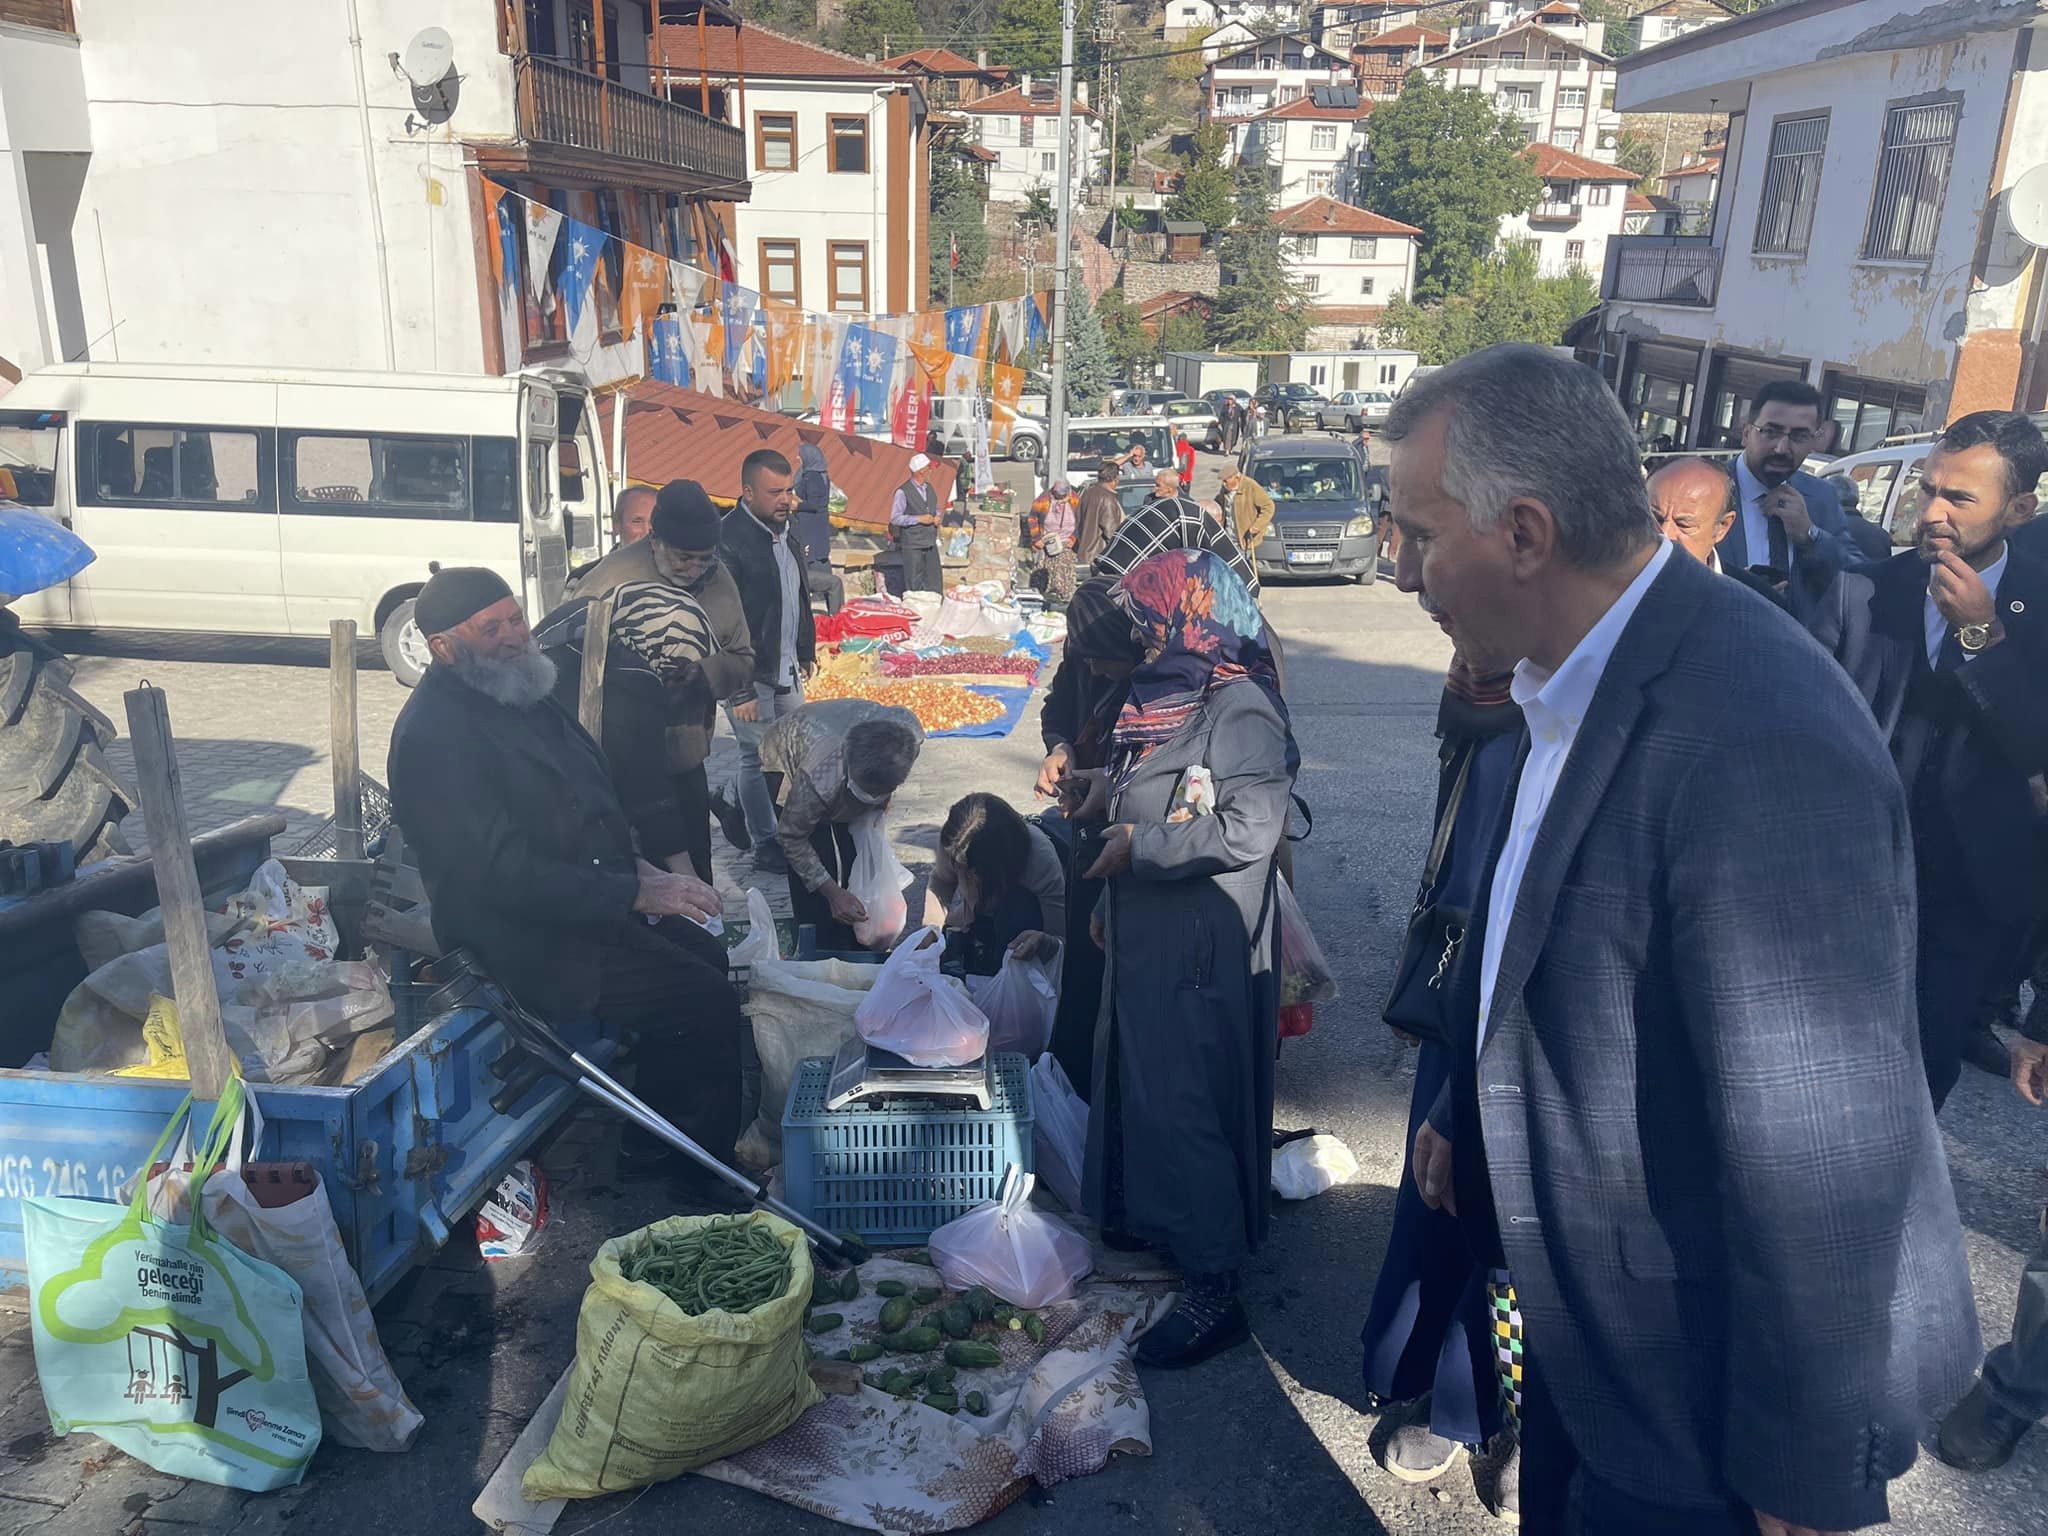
(495, 462)
(381, 475)
(208, 468)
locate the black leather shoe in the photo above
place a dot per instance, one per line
(1199, 1326)
(1978, 1435)
(1984, 1050)
(732, 821)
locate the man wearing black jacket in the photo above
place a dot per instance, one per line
(762, 554)
(528, 858)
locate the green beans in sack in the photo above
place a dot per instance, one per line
(658, 1390)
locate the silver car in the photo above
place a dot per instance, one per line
(1350, 409)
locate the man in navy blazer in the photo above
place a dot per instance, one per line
(1688, 1111)
(1784, 516)
(1948, 643)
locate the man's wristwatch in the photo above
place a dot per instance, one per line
(1973, 637)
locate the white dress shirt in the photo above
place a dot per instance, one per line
(1756, 528)
(1937, 626)
(1553, 705)
(794, 591)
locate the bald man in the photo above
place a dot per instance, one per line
(1694, 501)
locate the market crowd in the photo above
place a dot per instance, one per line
(1738, 847)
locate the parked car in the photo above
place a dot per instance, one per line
(1198, 419)
(1324, 523)
(1887, 484)
(1216, 397)
(1351, 409)
(952, 430)
(1091, 439)
(1147, 402)
(1289, 407)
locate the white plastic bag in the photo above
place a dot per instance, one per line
(877, 883)
(924, 1017)
(1059, 1131)
(1022, 1255)
(1304, 1169)
(797, 1008)
(1020, 1001)
(760, 942)
(1304, 974)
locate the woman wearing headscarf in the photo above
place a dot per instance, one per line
(1201, 764)
(812, 525)
(1047, 540)
(1429, 1331)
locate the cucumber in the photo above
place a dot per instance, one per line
(1034, 1325)
(925, 1295)
(957, 1321)
(861, 1354)
(915, 1341)
(981, 1303)
(849, 1285)
(891, 1288)
(940, 1378)
(844, 1354)
(973, 1356)
(895, 1313)
(977, 1404)
(823, 1322)
(945, 1402)
(824, 1290)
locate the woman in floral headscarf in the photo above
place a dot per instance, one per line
(1201, 763)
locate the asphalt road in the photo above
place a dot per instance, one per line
(1271, 1437)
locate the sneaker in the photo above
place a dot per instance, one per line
(1978, 1434)
(1506, 1504)
(732, 821)
(769, 859)
(1200, 1325)
(1416, 1454)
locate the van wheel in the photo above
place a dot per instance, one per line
(405, 648)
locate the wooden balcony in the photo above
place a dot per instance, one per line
(575, 115)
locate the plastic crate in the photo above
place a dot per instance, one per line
(893, 1173)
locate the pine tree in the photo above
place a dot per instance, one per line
(1027, 35)
(1090, 365)
(1206, 190)
(961, 223)
(1260, 307)
(1130, 344)
(870, 26)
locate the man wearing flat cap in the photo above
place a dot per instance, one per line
(681, 551)
(528, 857)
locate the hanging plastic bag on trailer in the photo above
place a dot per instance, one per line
(877, 883)
(166, 1340)
(923, 1016)
(1059, 1131)
(1022, 1255)
(760, 941)
(1020, 1001)
(1304, 974)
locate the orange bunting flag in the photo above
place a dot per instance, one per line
(1008, 389)
(644, 277)
(787, 333)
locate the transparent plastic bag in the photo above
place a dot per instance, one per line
(924, 1017)
(1305, 1168)
(877, 883)
(1059, 1131)
(760, 942)
(1024, 1256)
(1020, 1001)
(1304, 973)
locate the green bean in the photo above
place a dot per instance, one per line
(730, 1264)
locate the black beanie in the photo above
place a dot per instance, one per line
(684, 517)
(454, 595)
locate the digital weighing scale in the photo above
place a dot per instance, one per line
(863, 1071)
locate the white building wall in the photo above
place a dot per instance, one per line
(1021, 167)
(1581, 242)
(1897, 322)
(1338, 278)
(1558, 93)
(1304, 165)
(45, 140)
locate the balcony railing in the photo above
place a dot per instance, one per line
(1556, 213)
(569, 107)
(1663, 269)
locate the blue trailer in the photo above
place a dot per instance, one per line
(404, 1151)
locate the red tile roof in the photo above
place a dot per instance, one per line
(1327, 216)
(1635, 202)
(1343, 314)
(1554, 164)
(1548, 34)
(1401, 37)
(981, 153)
(939, 61)
(760, 54)
(674, 434)
(1304, 107)
(1558, 8)
(1042, 102)
(1695, 167)
(1163, 303)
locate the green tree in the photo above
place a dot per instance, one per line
(1038, 208)
(1635, 152)
(1260, 306)
(1616, 42)
(1090, 364)
(1507, 302)
(873, 26)
(1128, 340)
(1448, 163)
(951, 175)
(960, 221)
(1187, 62)
(1207, 191)
(1185, 332)
(1140, 108)
(1027, 35)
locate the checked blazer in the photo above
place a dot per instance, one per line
(1700, 1112)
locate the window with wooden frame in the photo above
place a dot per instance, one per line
(848, 145)
(782, 271)
(774, 141)
(846, 267)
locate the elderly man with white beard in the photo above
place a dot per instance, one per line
(528, 857)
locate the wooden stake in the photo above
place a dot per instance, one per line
(177, 888)
(341, 731)
(597, 629)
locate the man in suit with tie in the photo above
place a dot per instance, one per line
(1783, 515)
(1947, 642)
(1688, 1110)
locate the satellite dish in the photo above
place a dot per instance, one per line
(428, 58)
(2026, 206)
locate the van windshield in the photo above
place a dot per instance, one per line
(28, 460)
(1330, 479)
(1090, 445)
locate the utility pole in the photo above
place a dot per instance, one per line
(1062, 256)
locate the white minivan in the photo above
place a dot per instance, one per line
(269, 501)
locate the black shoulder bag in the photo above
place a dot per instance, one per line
(1415, 1006)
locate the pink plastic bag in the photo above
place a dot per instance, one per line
(924, 1017)
(877, 883)
(1022, 1255)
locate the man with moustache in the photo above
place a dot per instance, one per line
(1947, 642)
(1784, 515)
(1686, 1108)
(1694, 504)
(528, 858)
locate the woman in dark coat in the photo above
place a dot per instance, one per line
(1201, 763)
(1428, 1333)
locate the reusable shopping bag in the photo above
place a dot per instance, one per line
(1020, 1001)
(877, 883)
(166, 1340)
(925, 1017)
(1022, 1255)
